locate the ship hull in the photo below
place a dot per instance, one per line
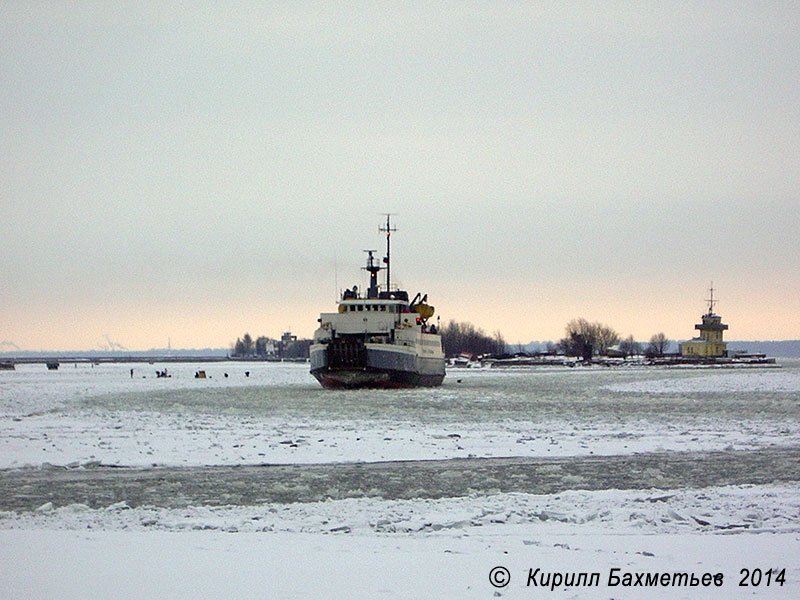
(375, 367)
(374, 378)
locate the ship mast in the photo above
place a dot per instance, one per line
(388, 229)
(711, 299)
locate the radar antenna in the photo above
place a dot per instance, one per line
(388, 229)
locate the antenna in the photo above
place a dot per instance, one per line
(388, 230)
(711, 300)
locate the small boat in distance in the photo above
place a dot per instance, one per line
(378, 340)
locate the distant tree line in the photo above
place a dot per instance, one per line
(458, 338)
(262, 347)
(297, 349)
(630, 347)
(584, 339)
(658, 345)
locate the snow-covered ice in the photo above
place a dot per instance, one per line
(372, 547)
(410, 549)
(279, 415)
(739, 381)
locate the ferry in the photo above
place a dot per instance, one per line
(379, 339)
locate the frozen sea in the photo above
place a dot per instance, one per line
(267, 486)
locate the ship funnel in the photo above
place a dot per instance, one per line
(373, 269)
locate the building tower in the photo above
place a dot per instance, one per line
(709, 344)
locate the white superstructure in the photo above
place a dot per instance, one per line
(379, 339)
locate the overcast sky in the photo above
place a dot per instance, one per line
(190, 174)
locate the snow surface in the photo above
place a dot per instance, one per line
(280, 415)
(369, 548)
(376, 548)
(734, 381)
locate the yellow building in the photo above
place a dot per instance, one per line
(709, 344)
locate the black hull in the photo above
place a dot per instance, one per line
(374, 378)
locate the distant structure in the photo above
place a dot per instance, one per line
(287, 339)
(709, 344)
